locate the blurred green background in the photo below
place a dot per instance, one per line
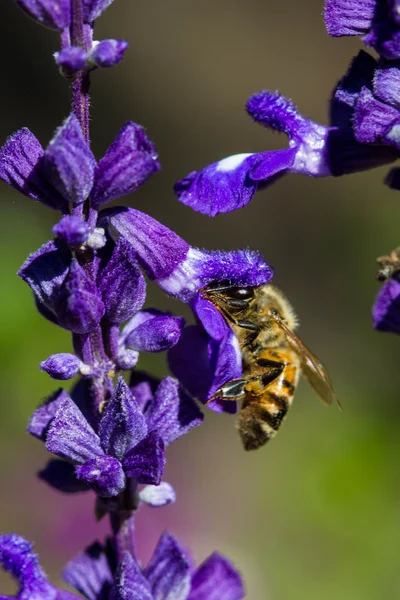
(315, 514)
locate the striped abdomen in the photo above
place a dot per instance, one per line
(266, 402)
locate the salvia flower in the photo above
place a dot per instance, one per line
(377, 21)
(314, 150)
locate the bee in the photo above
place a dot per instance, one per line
(273, 357)
(389, 266)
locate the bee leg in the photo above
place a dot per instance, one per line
(231, 390)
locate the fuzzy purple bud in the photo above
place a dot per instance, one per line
(107, 53)
(72, 230)
(71, 60)
(61, 366)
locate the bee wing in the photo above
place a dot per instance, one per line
(312, 368)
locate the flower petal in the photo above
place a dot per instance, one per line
(210, 317)
(152, 331)
(70, 60)
(169, 570)
(145, 462)
(78, 304)
(90, 573)
(42, 417)
(158, 495)
(346, 17)
(373, 119)
(55, 15)
(386, 311)
(159, 249)
(216, 579)
(172, 412)
(128, 162)
(122, 425)
(70, 436)
(60, 475)
(226, 364)
(143, 386)
(387, 82)
(44, 271)
(122, 284)
(220, 187)
(130, 583)
(69, 162)
(103, 474)
(21, 167)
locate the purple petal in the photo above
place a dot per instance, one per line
(386, 311)
(220, 187)
(17, 557)
(45, 270)
(70, 436)
(55, 14)
(71, 60)
(127, 359)
(84, 397)
(159, 249)
(92, 9)
(203, 365)
(89, 573)
(21, 167)
(189, 361)
(78, 304)
(226, 364)
(169, 570)
(69, 162)
(42, 417)
(122, 425)
(128, 162)
(130, 583)
(156, 333)
(158, 495)
(108, 53)
(384, 36)
(349, 17)
(275, 111)
(373, 119)
(143, 386)
(103, 474)
(72, 230)
(122, 284)
(387, 82)
(210, 317)
(216, 579)
(60, 475)
(202, 267)
(172, 412)
(61, 366)
(145, 462)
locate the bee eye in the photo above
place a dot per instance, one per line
(241, 293)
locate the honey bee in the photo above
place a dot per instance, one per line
(273, 357)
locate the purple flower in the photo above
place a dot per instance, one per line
(55, 14)
(207, 356)
(168, 576)
(62, 366)
(108, 53)
(128, 442)
(313, 150)
(17, 557)
(92, 9)
(72, 230)
(67, 173)
(377, 21)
